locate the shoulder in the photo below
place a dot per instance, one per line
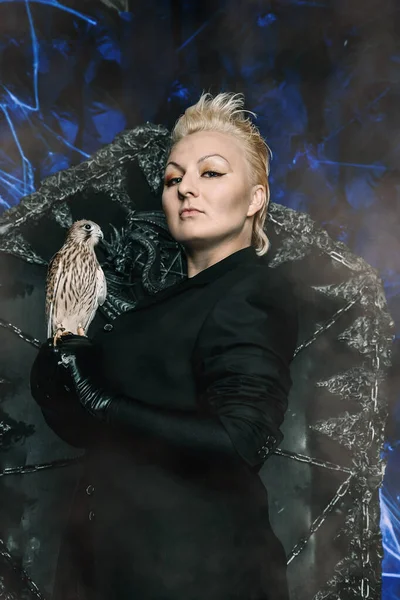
(255, 316)
(258, 299)
(257, 285)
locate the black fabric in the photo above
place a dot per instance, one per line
(70, 421)
(242, 358)
(207, 362)
(197, 433)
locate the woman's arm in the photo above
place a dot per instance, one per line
(242, 365)
(194, 432)
(242, 361)
(72, 421)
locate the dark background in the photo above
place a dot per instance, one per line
(323, 78)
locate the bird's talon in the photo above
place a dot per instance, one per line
(61, 331)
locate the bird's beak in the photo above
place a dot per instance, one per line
(101, 240)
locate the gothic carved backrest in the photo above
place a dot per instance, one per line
(323, 481)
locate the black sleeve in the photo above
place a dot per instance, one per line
(194, 433)
(60, 409)
(242, 361)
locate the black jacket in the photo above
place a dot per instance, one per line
(152, 521)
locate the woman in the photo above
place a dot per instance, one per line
(193, 389)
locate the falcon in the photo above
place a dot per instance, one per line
(75, 285)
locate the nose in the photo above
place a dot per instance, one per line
(187, 186)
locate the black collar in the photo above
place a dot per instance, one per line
(240, 257)
(243, 256)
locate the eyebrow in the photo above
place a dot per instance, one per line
(203, 158)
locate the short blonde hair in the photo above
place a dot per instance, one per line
(225, 113)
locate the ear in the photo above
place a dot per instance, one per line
(258, 199)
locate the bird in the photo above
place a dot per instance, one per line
(75, 284)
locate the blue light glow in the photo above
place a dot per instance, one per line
(55, 4)
(198, 30)
(390, 527)
(16, 109)
(179, 91)
(265, 20)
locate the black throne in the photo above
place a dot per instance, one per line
(323, 481)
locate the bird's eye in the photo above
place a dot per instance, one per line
(88, 227)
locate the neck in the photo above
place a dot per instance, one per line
(200, 259)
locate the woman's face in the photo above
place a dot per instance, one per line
(208, 196)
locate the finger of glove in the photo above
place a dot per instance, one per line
(85, 358)
(75, 347)
(45, 380)
(78, 349)
(48, 347)
(74, 341)
(82, 347)
(47, 357)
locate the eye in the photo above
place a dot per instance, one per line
(87, 227)
(211, 174)
(173, 181)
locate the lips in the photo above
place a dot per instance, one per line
(189, 211)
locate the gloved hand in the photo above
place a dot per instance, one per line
(52, 390)
(81, 358)
(46, 381)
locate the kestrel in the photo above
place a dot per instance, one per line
(75, 285)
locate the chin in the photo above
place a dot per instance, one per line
(189, 237)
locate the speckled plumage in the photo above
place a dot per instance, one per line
(76, 285)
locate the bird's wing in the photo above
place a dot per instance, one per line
(101, 286)
(53, 279)
(99, 296)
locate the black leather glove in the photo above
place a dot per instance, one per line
(193, 432)
(81, 360)
(46, 381)
(59, 405)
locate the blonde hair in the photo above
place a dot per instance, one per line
(225, 113)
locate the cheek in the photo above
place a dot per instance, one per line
(233, 203)
(164, 198)
(166, 202)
